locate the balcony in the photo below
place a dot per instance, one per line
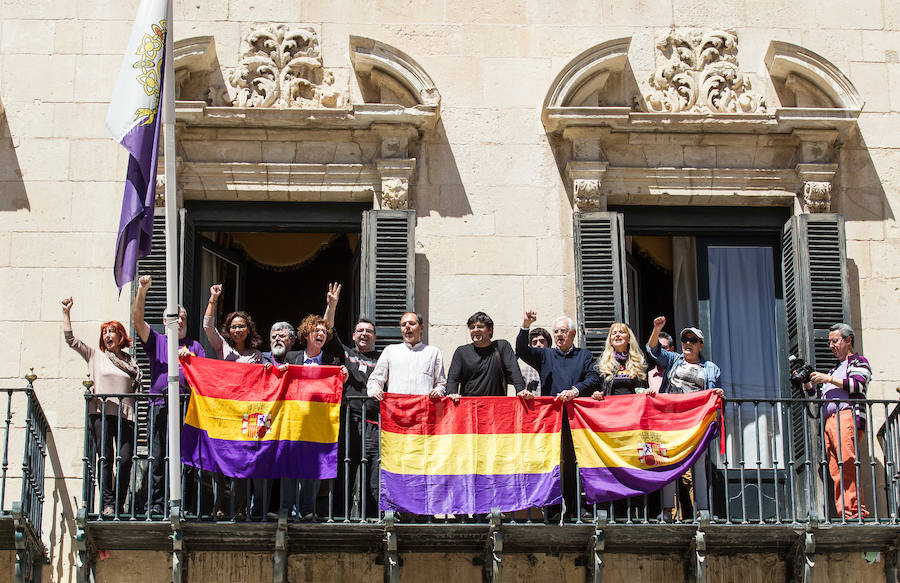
(22, 486)
(770, 492)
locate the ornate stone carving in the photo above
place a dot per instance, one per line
(281, 67)
(395, 174)
(817, 196)
(817, 180)
(394, 193)
(701, 75)
(587, 196)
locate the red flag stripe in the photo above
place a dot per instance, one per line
(419, 415)
(239, 381)
(640, 412)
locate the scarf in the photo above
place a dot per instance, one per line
(129, 367)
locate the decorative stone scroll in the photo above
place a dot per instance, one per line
(817, 180)
(281, 67)
(701, 75)
(586, 180)
(395, 174)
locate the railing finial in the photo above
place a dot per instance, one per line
(88, 384)
(31, 377)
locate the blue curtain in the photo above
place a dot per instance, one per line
(742, 316)
(743, 342)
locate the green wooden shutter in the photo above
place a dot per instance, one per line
(815, 296)
(387, 274)
(602, 294)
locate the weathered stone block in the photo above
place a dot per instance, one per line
(407, 11)
(20, 292)
(515, 82)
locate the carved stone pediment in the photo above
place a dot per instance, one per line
(281, 67)
(699, 73)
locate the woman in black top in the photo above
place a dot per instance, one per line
(621, 367)
(485, 367)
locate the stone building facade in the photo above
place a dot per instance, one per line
(503, 137)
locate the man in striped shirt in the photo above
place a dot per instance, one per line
(845, 422)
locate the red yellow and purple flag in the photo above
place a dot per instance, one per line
(244, 421)
(635, 444)
(438, 457)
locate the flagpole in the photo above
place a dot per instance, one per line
(172, 311)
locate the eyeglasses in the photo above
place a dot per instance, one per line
(238, 326)
(690, 339)
(838, 341)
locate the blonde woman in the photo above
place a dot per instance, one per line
(622, 368)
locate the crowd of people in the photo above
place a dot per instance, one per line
(542, 363)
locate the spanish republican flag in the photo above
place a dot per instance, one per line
(635, 444)
(246, 422)
(438, 457)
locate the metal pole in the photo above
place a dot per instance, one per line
(174, 410)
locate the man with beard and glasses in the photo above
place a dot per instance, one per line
(282, 338)
(359, 434)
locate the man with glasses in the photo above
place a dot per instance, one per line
(537, 338)
(845, 423)
(155, 346)
(566, 372)
(359, 435)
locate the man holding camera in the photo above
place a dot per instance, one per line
(845, 423)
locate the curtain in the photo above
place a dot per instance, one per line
(743, 336)
(684, 283)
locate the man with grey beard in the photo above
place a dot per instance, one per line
(282, 338)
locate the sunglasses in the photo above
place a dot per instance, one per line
(690, 339)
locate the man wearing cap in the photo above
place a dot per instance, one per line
(686, 372)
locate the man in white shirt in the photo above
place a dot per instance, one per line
(411, 368)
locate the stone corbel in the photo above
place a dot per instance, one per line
(817, 181)
(395, 140)
(816, 146)
(586, 180)
(395, 174)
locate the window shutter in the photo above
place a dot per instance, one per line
(388, 271)
(602, 295)
(187, 271)
(815, 295)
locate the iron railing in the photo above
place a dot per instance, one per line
(760, 479)
(23, 492)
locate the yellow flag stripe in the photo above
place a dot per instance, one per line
(621, 449)
(462, 454)
(290, 420)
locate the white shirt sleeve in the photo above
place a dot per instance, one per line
(379, 374)
(440, 379)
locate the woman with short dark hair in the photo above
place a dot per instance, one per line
(113, 370)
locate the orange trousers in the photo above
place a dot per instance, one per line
(841, 448)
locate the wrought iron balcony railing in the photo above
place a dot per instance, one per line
(775, 471)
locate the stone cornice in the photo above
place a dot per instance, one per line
(357, 116)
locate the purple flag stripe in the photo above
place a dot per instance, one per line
(468, 493)
(265, 459)
(614, 483)
(135, 237)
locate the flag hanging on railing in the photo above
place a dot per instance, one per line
(247, 422)
(636, 444)
(133, 120)
(438, 457)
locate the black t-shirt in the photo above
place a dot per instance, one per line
(360, 366)
(478, 371)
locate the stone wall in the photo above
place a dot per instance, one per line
(494, 211)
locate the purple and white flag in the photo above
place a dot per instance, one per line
(133, 120)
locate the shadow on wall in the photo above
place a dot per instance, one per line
(62, 519)
(12, 189)
(423, 283)
(439, 185)
(861, 198)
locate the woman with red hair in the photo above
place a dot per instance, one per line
(114, 371)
